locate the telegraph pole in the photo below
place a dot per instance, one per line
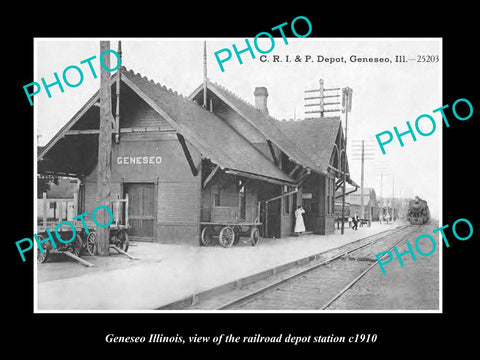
(347, 107)
(205, 78)
(393, 198)
(104, 173)
(368, 155)
(383, 170)
(319, 94)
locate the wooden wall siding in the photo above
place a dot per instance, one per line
(229, 209)
(322, 195)
(287, 218)
(90, 194)
(313, 214)
(229, 194)
(206, 204)
(135, 112)
(241, 125)
(143, 117)
(329, 225)
(186, 234)
(224, 214)
(252, 202)
(177, 208)
(173, 166)
(231, 213)
(318, 220)
(322, 201)
(178, 203)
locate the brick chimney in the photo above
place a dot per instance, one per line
(261, 95)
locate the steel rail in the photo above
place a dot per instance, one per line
(354, 281)
(283, 282)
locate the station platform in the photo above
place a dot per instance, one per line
(164, 274)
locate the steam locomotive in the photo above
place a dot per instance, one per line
(418, 212)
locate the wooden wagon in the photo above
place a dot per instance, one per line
(118, 228)
(61, 206)
(226, 228)
(83, 241)
(228, 234)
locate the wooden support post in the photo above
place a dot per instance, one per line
(75, 204)
(123, 252)
(210, 176)
(205, 79)
(193, 168)
(45, 209)
(266, 219)
(322, 102)
(303, 175)
(293, 170)
(272, 151)
(257, 219)
(104, 154)
(126, 210)
(59, 206)
(79, 259)
(116, 210)
(117, 95)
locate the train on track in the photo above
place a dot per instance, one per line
(418, 212)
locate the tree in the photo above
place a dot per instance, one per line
(44, 182)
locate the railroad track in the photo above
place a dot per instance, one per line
(319, 285)
(313, 286)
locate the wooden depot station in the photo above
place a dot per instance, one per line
(204, 165)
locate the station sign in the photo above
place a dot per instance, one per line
(139, 160)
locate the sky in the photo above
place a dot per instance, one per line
(384, 94)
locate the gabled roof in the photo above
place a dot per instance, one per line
(266, 124)
(356, 199)
(316, 137)
(210, 135)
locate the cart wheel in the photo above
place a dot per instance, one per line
(124, 241)
(254, 236)
(42, 258)
(76, 246)
(236, 232)
(226, 237)
(91, 243)
(206, 237)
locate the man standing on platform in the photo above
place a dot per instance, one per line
(355, 222)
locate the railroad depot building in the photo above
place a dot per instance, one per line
(187, 161)
(370, 203)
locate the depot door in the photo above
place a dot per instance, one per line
(141, 210)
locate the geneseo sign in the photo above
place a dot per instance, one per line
(139, 160)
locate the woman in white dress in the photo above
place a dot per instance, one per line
(299, 224)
